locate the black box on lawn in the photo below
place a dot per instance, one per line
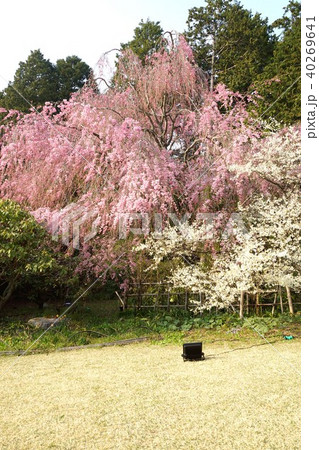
(192, 351)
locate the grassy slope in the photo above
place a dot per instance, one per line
(145, 397)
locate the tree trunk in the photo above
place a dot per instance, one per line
(213, 61)
(241, 305)
(5, 297)
(291, 306)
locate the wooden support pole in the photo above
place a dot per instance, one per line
(241, 305)
(257, 304)
(122, 302)
(291, 306)
(274, 304)
(281, 303)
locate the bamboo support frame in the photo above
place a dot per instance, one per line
(247, 301)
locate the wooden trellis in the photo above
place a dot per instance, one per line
(165, 297)
(159, 296)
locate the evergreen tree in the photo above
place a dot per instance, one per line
(73, 73)
(37, 81)
(280, 84)
(230, 43)
(146, 39)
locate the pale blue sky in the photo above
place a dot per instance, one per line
(88, 28)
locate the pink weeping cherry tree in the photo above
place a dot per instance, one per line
(158, 141)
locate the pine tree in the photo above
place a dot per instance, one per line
(230, 43)
(280, 84)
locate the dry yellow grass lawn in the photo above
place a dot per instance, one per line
(145, 397)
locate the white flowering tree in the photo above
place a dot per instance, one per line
(262, 256)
